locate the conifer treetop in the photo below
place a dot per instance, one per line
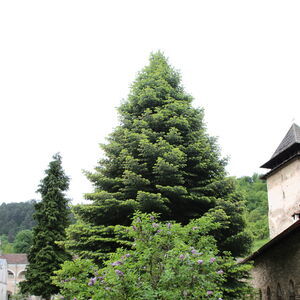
(159, 159)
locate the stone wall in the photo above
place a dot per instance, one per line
(277, 270)
(283, 196)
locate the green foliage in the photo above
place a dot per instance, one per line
(19, 296)
(51, 215)
(229, 236)
(168, 261)
(5, 245)
(259, 243)
(23, 241)
(160, 159)
(255, 193)
(15, 217)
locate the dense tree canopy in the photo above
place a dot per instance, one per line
(15, 217)
(23, 241)
(5, 245)
(255, 192)
(52, 217)
(160, 159)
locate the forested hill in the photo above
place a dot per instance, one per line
(255, 193)
(15, 217)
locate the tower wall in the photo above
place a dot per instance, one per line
(283, 196)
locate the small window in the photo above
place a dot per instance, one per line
(279, 292)
(292, 294)
(260, 294)
(268, 293)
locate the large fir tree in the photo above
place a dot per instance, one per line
(160, 159)
(52, 217)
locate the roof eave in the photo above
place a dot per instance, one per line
(282, 156)
(272, 242)
(265, 176)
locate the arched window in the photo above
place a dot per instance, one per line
(10, 274)
(260, 294)
(279, 292)
(268, 293)
(21, 275)
(292, 295)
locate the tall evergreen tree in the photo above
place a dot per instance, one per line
(52, 217)
(160, 159)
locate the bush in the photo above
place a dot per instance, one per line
(168, 261)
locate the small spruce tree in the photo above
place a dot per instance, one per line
(52, 218)
(160, 159)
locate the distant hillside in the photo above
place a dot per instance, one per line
(15, 217)
(255, 193)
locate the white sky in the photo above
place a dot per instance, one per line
(66, 65)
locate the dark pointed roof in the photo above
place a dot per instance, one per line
(288, 148)
(292, 137)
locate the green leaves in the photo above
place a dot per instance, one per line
(254, 191)
(168, 261)
(23, 241)
(15, 217)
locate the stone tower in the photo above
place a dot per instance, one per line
(283, 182)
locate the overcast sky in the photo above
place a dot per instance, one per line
(66, 65)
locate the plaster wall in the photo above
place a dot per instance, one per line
(283, 196)
(3, 279)
(280, 264)
(15, 275)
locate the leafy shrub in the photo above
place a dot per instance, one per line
(168, 261)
